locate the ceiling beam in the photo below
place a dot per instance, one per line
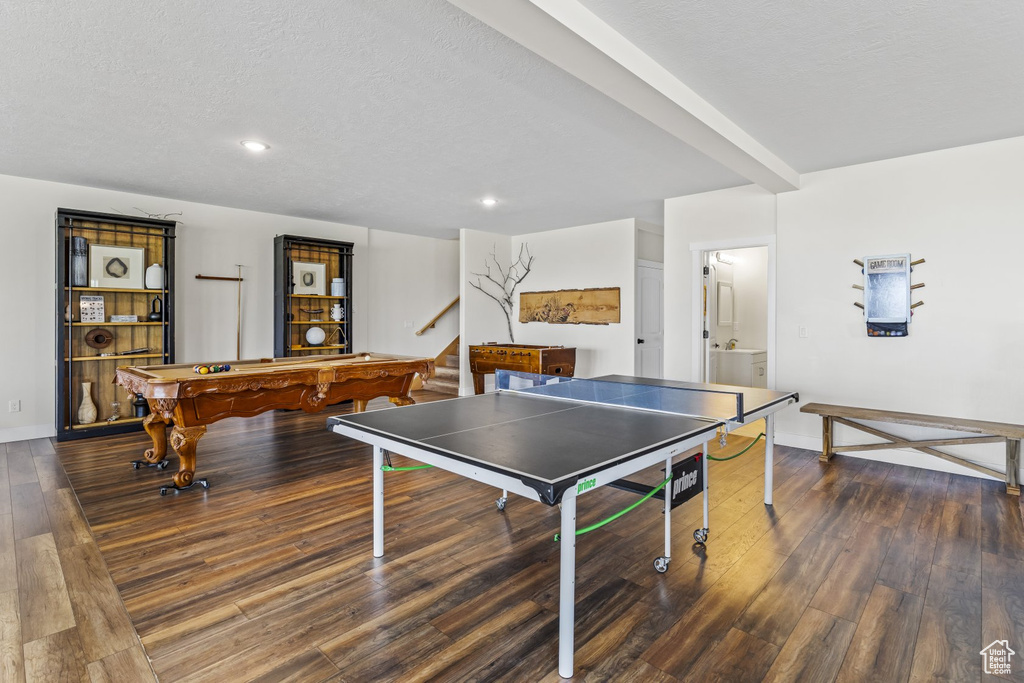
(574, 39)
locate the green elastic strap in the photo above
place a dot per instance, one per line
(710, 457)
(389, 468)
(585, 530)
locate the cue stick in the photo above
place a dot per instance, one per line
(238, 325)
(238, 329)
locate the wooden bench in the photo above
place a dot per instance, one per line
(991, 432)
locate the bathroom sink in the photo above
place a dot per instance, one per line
(742, 350)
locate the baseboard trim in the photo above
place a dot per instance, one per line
(27, 432)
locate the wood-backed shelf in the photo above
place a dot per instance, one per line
(107, 423)
(116, 290)
(321, 346)
(297, 309)
(318, 322)
(81, 369)
(81, 324)
(79, 359)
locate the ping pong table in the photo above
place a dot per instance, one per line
(554, 439)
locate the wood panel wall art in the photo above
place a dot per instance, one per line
(597, 306)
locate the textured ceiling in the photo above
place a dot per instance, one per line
(828, 84)
(402, 114)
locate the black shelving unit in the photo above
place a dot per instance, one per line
(79, 361)
(304, 268)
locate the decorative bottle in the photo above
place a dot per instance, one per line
(87, 410)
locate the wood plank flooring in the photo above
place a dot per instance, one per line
(860, 571)
(61, 617)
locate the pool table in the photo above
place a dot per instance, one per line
(189, 401)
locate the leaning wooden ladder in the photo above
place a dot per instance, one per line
(990, 432)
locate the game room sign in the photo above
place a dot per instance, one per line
(887, 307)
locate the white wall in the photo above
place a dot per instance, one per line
(650, 242)
(961, 209)
(410, 280)
(598, 255)
(210, 241)
(736, 213)
(480, 318)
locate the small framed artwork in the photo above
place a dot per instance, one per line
(309, 278)
(91, 309)
(120, 267)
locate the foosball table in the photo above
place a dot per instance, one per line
(541, 360)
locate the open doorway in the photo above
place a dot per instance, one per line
(735, 317)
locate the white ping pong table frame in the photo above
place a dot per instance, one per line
(512, 483)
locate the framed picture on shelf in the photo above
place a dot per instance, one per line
(120, 267)
(90, 309)
(309, 278)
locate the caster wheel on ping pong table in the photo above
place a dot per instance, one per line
(500, 503)
(661, 564)
(700, 535)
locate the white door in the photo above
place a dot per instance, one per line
(710, 323)
(650, 287)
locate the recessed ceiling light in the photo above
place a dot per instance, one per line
(489, 201)
(255, 145)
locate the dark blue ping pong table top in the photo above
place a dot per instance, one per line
(549, 441)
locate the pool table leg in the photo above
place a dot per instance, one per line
(183, 441)
(156, 427)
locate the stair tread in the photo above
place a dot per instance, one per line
(442, 386)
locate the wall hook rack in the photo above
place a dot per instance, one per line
(887, 289)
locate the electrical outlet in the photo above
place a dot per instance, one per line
(14, 406)
(407, 324)
(802, 331)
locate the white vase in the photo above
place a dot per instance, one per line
(155, 277)
(87, 411)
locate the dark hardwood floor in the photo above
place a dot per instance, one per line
(861, 571)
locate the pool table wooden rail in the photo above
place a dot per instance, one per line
(188, 401)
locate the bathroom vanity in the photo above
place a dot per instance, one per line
(742, 367)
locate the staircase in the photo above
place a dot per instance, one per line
(446, 377)
(446, 371)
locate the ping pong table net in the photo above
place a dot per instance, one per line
(702, 402)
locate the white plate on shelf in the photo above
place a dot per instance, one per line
(315, 336)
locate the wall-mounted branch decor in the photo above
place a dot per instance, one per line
(503, 285)
(598, 306)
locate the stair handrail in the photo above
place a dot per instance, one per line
(433, 321)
